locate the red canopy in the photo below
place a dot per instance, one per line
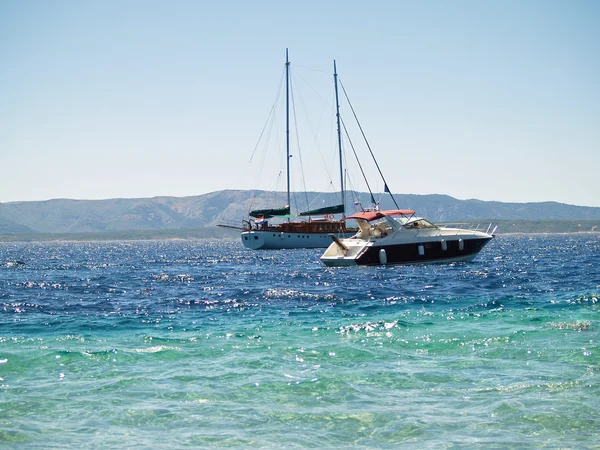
(374, 215)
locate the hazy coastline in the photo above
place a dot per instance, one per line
(505, 228)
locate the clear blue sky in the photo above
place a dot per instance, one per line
(474, 99)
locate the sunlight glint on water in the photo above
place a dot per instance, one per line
(204, 343)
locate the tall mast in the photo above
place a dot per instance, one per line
(287, 122)
(339, 136)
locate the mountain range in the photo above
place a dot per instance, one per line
(232, 206)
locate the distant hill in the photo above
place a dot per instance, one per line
(232, 206)
(8, 226)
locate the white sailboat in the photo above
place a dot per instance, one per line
(313, 232)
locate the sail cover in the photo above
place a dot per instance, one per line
(337, 209)
(268, 213)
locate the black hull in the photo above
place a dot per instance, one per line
(432, 252)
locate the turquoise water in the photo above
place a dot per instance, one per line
(197, 344)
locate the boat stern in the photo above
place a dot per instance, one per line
(342, 252)
(253, 240)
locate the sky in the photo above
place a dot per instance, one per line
(127, 99)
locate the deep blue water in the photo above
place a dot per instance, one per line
(180, 344)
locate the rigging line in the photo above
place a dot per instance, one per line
(351, 188)
(315, 131)
(310, 68)
(295, 201)
(368, 146)
(351, 191)
(269, 116)
(272, 125)
(315, 146)
(262, 133)
(330, 107)
(294, 115)
(356, 157)
(276, 185)
(270, 138)
(262, 145)
(270, 142)
(257, 173)
(320, 97)
(332, 156)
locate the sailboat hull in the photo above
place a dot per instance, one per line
(260, 234)
(269, 240)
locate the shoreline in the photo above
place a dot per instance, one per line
(184, 236)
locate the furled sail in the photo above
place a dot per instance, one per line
(337, 209)
(268, 213)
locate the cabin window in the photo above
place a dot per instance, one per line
(246, 238)
(256, 237)
(419, 223)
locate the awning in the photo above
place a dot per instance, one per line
(374, 215)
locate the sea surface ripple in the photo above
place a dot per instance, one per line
(203, 343)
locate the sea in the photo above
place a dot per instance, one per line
(206, 344)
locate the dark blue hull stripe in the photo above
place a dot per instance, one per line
(409, 253)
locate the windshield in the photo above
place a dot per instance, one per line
(419, 224)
